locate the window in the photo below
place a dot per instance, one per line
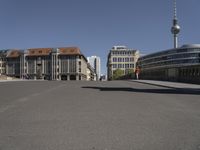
(132, 59)
(126, 59)
(131, 65)
(119, 65)
(119, 59)
(114, 59)
(198, 71)
(114, 65)
(126, 65)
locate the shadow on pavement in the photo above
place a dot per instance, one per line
(156, 91)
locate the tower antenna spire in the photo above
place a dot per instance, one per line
(175, 10)
(175, 27)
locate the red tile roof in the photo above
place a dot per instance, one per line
(13, 54)
(39, 51)
(69, 51)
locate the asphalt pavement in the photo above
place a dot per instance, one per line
(115, 115)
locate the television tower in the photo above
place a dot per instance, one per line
(175, 28)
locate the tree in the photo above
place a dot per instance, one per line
(129, 74)
(117, 74)
(129, 71)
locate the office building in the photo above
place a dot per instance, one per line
(66, 63)
(91, 75)
(95, 62)
(179, 64)
(123, 58)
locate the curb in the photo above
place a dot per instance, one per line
(165, 86)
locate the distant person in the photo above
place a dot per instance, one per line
(137, 72)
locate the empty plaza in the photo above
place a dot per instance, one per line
(114, 115)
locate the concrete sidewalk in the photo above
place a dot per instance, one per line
(176, 85)
(14, 80)
(10, 80)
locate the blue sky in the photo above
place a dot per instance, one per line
(97, 25)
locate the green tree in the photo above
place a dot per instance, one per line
(129, 71)
(117, 74)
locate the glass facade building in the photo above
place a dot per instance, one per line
(179, 64)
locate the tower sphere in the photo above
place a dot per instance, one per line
(175, 29)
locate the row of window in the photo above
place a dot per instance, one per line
(68, 57)
(124, 52)
(174, 62)
(189, 72)
(182, 73)
(2, 71)
(2, 58)
(13, 68)
(120, 59)
(175, 56)
(174, 51)
(2, 65)
(123, 65)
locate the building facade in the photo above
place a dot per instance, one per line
(37, 63)
(91, 75)
(3, 54)
(14, 63)
(67, 63)
(95, 62)
(120, 57)
(178, 64)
